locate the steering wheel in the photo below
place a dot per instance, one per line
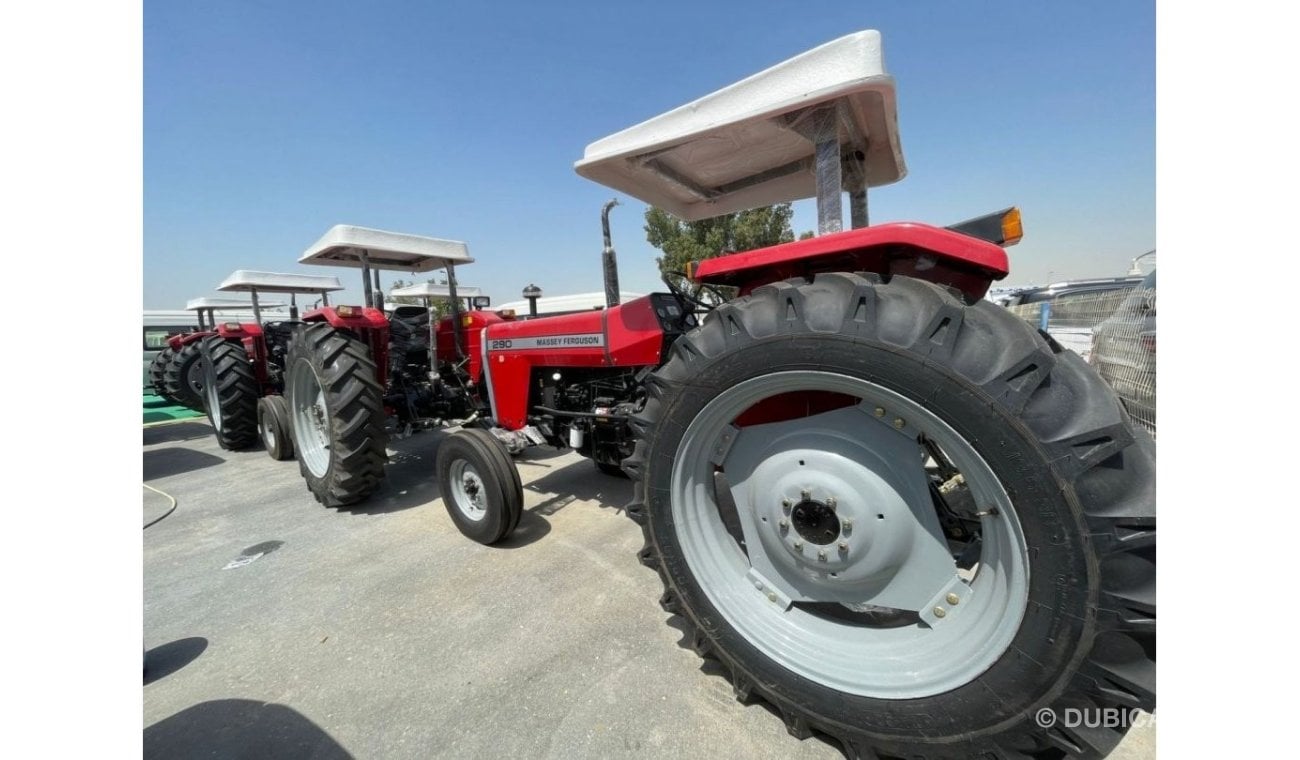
(686, 297)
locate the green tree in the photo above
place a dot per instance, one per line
(683, 242)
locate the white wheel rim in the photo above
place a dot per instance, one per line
(900, 662)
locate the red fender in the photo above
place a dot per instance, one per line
(904, 248)
(371, 325)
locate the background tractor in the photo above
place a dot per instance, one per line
(888, 507)
(244, 363)
(353, 371)
(176, 372)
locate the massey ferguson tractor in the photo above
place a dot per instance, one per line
(243, 363)
(889, 508)
(176, 372)
(353, 372)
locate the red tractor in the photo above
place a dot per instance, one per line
(176, 372)
(243, 363)
(354, 372)
(887, 506)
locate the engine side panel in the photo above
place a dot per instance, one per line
(627, 335)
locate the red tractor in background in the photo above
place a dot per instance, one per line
(354, 372)
(243, 363)
(176, 373)
(888, 507)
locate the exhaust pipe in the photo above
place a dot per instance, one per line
(608, 260)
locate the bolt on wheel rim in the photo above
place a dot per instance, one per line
(468, 492)
(838, 530)
(310, 421)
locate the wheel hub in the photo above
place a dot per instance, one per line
(815, 522)
(467, 492)
(837, 526)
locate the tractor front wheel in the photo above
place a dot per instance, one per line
(480, 485)
(908, 522)
(336, 414)
(273, 425)
(230, 389)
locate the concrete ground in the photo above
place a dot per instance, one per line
(278, 627)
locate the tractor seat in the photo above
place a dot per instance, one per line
(406, 312)
(409, 324)
(280, 328)
(414, 316)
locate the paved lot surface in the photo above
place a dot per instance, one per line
(380, 631)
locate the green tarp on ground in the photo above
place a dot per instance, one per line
(158, 409)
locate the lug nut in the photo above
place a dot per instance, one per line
(830, 503)
(758, 585)
(785, 524)
(844, 546)
(940, 612)
(798, 546)
(821, 555)
(847, 526)
(771, 596)
(953, 599)
(880, 411)
(898, 423)
(804, 494)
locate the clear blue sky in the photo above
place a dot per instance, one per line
(268, 122)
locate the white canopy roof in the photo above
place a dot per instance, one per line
(275, 282)
(745, 145)
(343, 244)
(226, 304)
(431, 290)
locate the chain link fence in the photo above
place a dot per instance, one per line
(1114, 331)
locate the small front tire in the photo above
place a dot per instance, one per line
(273, 426)
(479, 485)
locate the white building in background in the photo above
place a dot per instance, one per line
(566, 304)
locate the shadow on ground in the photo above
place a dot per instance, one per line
(578, 481)
(409, 478)
(181, 431)
(532, 527)
(173, 460)
(162, 661)
(240, 728)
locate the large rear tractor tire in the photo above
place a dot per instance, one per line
(480, 485)
(336, 414)
(157, 370)
(273, 426)
(230, 390)
(183, 376)
(934, 536)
